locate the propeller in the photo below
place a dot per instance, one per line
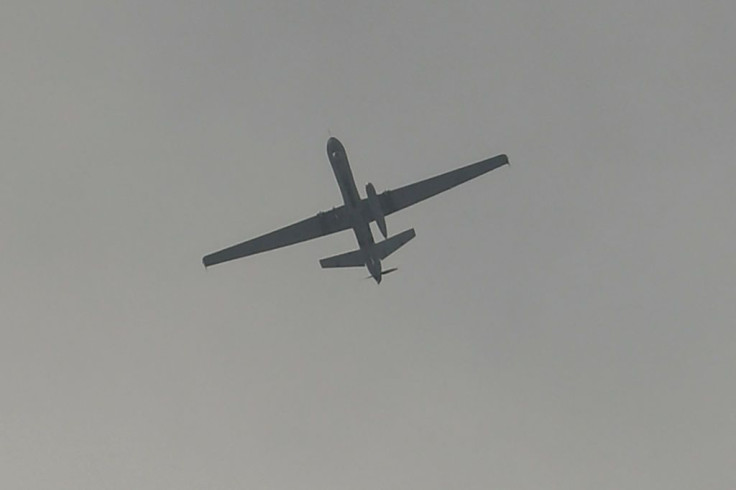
(387, 271)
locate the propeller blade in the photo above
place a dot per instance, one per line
(387, 271)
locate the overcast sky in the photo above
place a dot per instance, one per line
(563, 323)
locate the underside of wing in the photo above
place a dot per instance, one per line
(396, 199)
(322, 224)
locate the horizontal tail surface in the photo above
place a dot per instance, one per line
(391, 245)
(357, 258)
(349, 259)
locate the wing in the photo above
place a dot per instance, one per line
(396, 199)
(322, 224)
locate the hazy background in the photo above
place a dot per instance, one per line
(563, 323)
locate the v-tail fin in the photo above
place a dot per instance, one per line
(391, 245)
(348, 259)
(357, 258)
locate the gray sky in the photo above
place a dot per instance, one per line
(563, 323)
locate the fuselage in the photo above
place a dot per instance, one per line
(361, 227)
